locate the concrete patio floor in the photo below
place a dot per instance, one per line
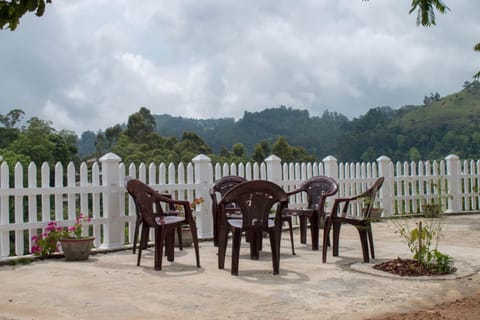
(111, 286)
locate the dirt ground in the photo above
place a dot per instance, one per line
(465, 309)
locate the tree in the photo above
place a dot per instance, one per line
(41, 143)
(433, 98)
(477, 48)
(12, 11)
(258, 153)
(11, 118)
(426, 16)
(414, 154)
(282, 149)
(238, 149)
(140, 125)
(105, 141)
(426, 12)
(86, 144)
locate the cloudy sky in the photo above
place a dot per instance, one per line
(87, 65)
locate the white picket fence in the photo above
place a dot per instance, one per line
(28, 204)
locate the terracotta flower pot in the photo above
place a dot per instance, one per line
(77, 249)
(187, 239)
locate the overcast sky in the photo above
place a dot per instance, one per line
(87, 65)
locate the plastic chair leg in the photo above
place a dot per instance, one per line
(336, 237)
(370, 240)
(290, 228)
(222, 246)
(159, 240)
(364, 243)
(236, 241)
(326, 238)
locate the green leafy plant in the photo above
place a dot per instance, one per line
(422, 240)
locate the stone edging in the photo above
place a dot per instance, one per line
(463, 270)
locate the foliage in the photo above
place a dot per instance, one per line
(140, 124)
(41, 143)
(11, 118)
(426, 12)
(477, 48)
(426, 16)
(448, 126)
(422, 242)
(47, 242)
(11, 11)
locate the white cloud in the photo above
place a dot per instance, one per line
(87, 65)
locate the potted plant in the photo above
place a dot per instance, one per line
(187, 239)
(74, 245)
(375, 213)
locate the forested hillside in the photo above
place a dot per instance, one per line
(431, 131)
(440, 127)
(317, 134)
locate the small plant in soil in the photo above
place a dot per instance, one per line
(422, 240)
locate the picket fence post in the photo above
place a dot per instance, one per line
(203, 180)
(453, 179)
(112, 230)
(274, 169)
(386, 191)
(330, 164)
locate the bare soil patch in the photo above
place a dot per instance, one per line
(407, 268)
(465, 309)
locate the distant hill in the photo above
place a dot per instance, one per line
(431, 131)
(440, 127)
(452, 112)
(316, 134)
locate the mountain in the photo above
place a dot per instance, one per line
(442, 126)
(316, 134)
(431, 131)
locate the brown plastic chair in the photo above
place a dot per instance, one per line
(317, 188)
(364, 203)
(138, 221)
(222, 186)
(150, 204)
(255, 199)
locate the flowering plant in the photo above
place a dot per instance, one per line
(75, 231)
(47, 242)
(193, 204)
(196, 202)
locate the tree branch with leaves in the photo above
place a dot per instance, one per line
(12, 11)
